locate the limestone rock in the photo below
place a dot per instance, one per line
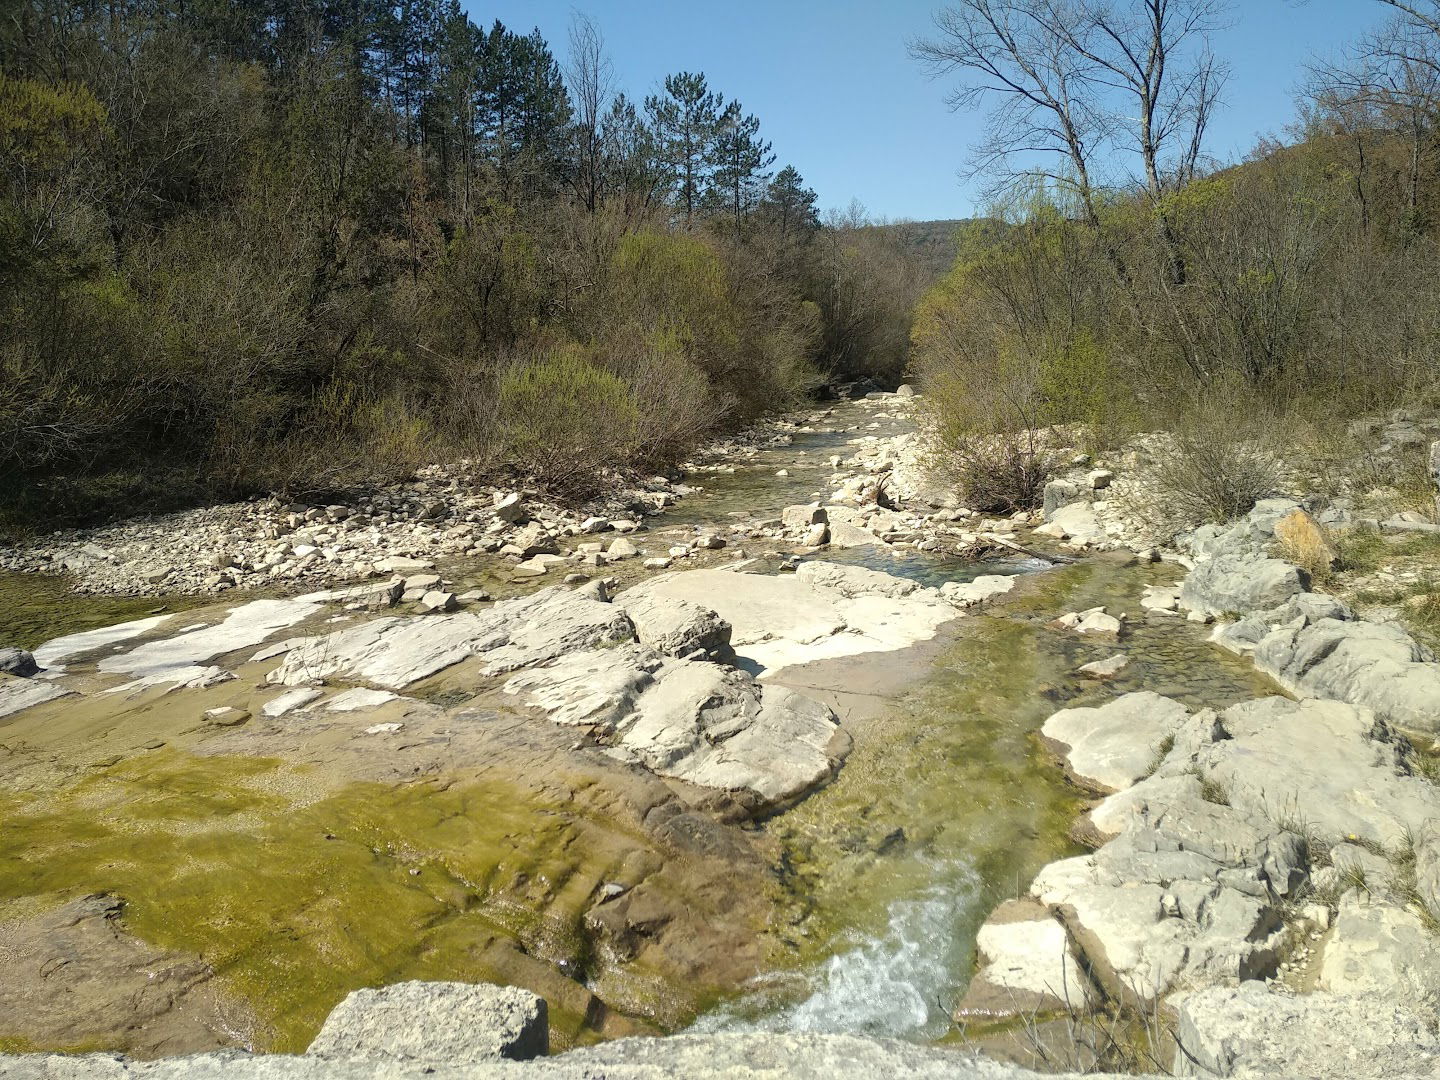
(1241, 583)
(509, 509)
(225, 716)
(802, 517)
(621, 548)
(1104, 669)
(17, 693)
(1026, 966)
(394, 652)
(1377, 665)
(1111, 747)
(677, 627)
(1382, 950)
(1352, 778)
(1177, 925)
(973, 593)
(843, 535)
(434, 1023)
(708, 725)
(1059, 493)
(1249, 1031)
(818, 612)
(17, 662)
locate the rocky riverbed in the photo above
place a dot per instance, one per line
(779, 752)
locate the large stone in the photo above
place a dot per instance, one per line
(1075, 522)
(395, 652)
(1377, 665)
(17, 662)
(509, 508)
(802, 517)
(534, 539)
(852, 581)
(436, 1023)
(678, 627)
(1241, 584)
(1026, 966)
(815, 614)
(716, 727)
(1321, 767)
(1381, 950)
(1174, 926)
(1178, 822)
(970, 594)
(708, 725)
(1250, 1031)
(843, 535)
(1110, 747)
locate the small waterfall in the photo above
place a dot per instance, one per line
(899, 985)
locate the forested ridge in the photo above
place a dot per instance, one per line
(1127, 281)
(293, 245)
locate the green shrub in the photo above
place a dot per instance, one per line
(563, 419)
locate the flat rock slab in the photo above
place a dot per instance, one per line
(17, 693)
(972, 593)
(1382, 950)
(395, 652)
(706, 724)
(244, 627)
(1247, 1031)
(820, 612)
(49, 655)
(1026, 966)
(1116, 744)
(1335, 769)
(436, 1023)
(1377, 665)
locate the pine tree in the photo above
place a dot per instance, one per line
(686, 119)
(788, 204)
(741, 158)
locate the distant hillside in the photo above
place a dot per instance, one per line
(933, 244)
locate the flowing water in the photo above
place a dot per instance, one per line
(946, 806)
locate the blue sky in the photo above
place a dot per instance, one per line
(840, 99)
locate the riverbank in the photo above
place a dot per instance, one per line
(675, 784)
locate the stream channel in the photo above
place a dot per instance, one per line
(947, 805)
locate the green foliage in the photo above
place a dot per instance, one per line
(241, 253)
(563, 418)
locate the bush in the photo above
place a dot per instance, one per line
(563, 419)
(1208, 478)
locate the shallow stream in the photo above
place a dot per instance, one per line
(947, 804)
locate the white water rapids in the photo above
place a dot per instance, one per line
(899, 984)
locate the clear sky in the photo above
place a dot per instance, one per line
(840, 99)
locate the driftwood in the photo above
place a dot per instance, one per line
(991, 546)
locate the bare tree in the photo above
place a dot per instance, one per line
(591, 79)
(1085, 80)
(1387, 86)
(1015, 58)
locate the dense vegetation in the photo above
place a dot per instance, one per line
(297, 244)
(1126, 284)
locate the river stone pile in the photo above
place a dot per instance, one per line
(269, 542)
